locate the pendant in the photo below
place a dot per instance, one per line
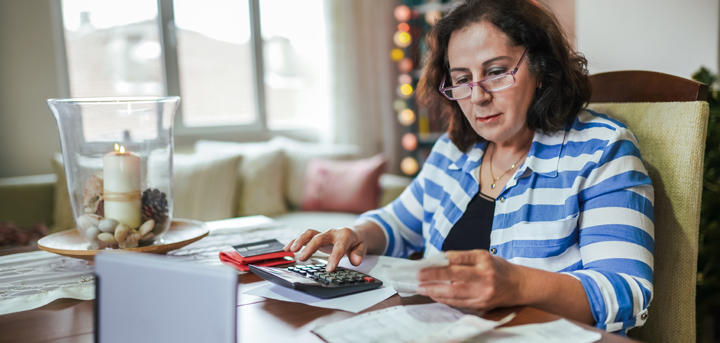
(492, 186)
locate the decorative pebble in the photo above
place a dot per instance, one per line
(87, 221)
(136, 236)
(146, 227)
(92, 234)
(121, 232)
(107, 238)
(150, 236)
(108, 225)
(131, 241)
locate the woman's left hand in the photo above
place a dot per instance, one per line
(478, 280)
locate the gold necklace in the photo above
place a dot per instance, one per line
(507, 171)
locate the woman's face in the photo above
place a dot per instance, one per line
(476, 53)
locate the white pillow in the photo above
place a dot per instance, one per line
(260, 176)
(204, 185)
(299, 155)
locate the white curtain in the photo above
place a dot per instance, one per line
(363, 77)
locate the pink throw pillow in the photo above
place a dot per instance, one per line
(343, 186)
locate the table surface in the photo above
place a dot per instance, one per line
(260, 319)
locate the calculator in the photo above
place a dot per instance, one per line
(314, 280)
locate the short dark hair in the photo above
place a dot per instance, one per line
(550, 57)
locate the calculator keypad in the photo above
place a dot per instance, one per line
(339, 277)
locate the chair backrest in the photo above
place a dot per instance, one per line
(669, 115)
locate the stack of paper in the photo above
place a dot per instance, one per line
(413, 323)
(559, 331)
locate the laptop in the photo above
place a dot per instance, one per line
(149, 298)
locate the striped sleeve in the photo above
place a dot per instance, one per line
(401, 220)
(616, 236)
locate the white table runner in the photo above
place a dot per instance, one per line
(34, 279)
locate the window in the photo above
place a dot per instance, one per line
(243, 64)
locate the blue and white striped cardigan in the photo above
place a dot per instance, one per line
(581, 204)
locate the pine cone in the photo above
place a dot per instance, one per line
(155, 207)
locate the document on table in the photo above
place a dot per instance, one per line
(559, 331)
(402, 274)
(413, 323)
(352, 303)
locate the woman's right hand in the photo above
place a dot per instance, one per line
(336, 242)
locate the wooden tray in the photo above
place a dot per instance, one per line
(181, 233)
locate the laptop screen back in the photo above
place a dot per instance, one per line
(148, 298)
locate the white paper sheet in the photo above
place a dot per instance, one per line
(402, 274)
(559, 331)
(352, 303)
(414, 323)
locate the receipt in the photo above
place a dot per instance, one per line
(403, 276)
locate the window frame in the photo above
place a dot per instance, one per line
(186, 135)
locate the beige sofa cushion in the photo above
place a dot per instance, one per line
(299, 155)
(259, 177)
(204, 186)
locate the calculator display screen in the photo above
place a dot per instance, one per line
(288, 276)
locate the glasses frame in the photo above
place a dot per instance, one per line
(480, 83)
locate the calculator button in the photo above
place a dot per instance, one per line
(369, 279)
(310, 271)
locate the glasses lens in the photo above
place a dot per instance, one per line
(499, 83)
(458, 93)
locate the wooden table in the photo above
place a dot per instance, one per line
(260, 319)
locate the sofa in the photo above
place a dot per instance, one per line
(219, 180)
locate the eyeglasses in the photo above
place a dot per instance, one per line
(491, 84)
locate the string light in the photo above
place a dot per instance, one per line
(404, 78)
(431, 17)
(405, 65)
(409, 166)
(399, 105)
(396, 54)
(402, 13)
(406, 117)
(402, 39)
(406, 89)
(403, 27)
(409, 142)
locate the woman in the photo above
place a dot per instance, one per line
(537, 201)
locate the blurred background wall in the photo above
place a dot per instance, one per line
(669, 36)
(675, 37)
(28, 76)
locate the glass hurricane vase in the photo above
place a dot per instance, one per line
(118, 156)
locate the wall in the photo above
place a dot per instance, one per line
(28, 76)
(565, 12)
(669, 36)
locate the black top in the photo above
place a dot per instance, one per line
(473, 229)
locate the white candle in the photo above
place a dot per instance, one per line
(122, 192)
